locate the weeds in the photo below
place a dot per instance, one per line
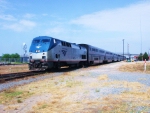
(102, 77)
(13, 95)
(135, 67)
(43, 106)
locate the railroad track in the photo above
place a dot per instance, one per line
(11, 76)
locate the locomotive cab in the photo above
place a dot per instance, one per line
(38, 53)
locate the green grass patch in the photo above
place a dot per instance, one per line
(13, 96)
(43, 106)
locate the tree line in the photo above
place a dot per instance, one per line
(16, 55)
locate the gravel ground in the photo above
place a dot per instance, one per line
(94, 90)
(110, 69)
(14, 83)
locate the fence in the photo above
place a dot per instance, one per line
(14, 60)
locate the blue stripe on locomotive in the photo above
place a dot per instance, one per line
(42, 44)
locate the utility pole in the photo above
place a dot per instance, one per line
(123, 49)
(148, 54)
(141, 38)
(128, 50)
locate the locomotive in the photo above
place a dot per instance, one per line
(48, 52)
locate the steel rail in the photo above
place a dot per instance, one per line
(11, 76)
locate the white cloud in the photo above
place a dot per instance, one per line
(125, 19)
(107, 27)
(44, 14)
(22, 25)
(3, 5)
(55, 30)
(8, 17)
(29, 16)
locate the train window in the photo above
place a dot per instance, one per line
(36, 41)
(83, 56)
(95, 58)
(68, 44)
(100, 51)
(63, 43)
(57, 55)
(93, 49)
(45, 40)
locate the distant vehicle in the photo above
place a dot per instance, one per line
(1, 63)
(5, 63)
(48, 52)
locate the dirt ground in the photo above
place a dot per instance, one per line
(85, 90)
(6, 69)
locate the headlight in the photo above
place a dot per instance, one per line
(37, 51)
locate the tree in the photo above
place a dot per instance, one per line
(6, 56)
(145, 56)
(16, 55)
(140, 57)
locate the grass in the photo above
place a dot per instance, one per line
(63, 99)
(103, 77)
(71, 92)
(43, 105)
(135, 67)
(13, 96)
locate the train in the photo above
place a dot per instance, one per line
(51, 53)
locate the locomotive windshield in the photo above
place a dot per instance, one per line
(45, 40)
(36, 41)
(40, 44)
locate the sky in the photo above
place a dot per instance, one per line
(101, 23)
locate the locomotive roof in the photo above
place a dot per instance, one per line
(42, 37)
